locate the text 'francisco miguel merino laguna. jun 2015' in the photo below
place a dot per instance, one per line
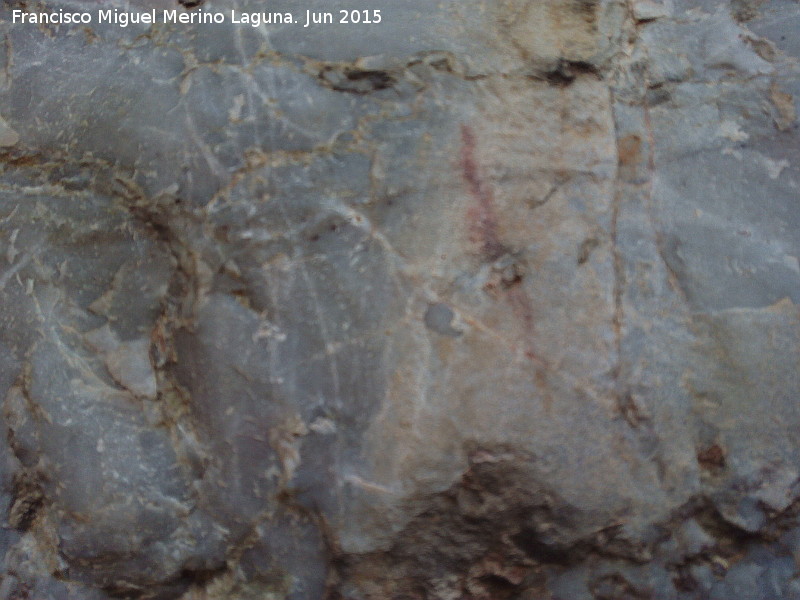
(254, 19)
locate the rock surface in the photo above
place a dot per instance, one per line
(496, 299)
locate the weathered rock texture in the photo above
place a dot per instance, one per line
(497, 299)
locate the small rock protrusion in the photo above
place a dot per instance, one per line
(439, 318)
(8, 137)
(28, 499)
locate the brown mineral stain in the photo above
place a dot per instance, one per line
(630, 150)
(711, 458)
(784, 103)
(550, 32)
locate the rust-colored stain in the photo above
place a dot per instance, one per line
(630, 150)
(712, 458)
(484, 232)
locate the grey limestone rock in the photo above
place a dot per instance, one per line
(489, 300)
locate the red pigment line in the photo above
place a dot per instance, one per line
(521, 307)
(482, 218)
(483, 225)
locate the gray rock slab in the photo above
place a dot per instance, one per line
(488, 300)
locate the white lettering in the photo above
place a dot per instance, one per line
(263, 18)
(198, 17)
(54, 18)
